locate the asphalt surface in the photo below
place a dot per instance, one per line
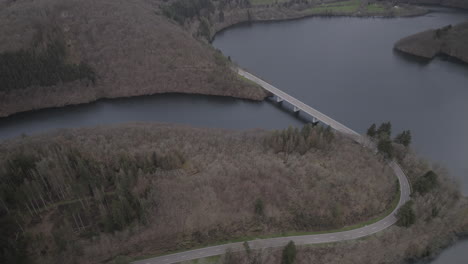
(305, 239)
(295, 102)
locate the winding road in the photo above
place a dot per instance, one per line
(305, 239)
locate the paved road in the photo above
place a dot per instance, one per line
(298, 240)
(295, 102)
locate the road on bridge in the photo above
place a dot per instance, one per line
(386, 222)
(300, 105)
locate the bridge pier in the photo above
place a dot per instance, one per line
(280, 96)
(314, 120)
(296, 109)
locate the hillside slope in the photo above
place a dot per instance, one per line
(447, 3)
(440, 215)
(59, 53)
(133, 49)
(89, 195)
(451, 41)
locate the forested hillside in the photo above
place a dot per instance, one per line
(89, 195)
(449, 40)
(122, 48)
(76, 51)
(438, 217)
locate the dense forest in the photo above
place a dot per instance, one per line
(205, 14)
(181, 10)
(129, 48)
(24, 68)
(93, 194)
(202, 11)
(133, 48)
(435, 217)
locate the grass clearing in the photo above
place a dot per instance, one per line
(347, 7)
(267, 2)
(376, 8)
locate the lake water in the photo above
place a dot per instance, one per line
(194, 110)
(456, 254)
(344, 67)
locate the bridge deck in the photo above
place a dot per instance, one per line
(300, 105)
(255, 244)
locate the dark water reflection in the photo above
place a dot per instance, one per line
(347, 68)
(195, 110)
(457, 254)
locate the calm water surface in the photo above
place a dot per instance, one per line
(456, 254)
(194, 110)
(345, 67)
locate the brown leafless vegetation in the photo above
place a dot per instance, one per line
(449, 40)
(130, 48)
(133, 49)
(441, 217)
(97, 193)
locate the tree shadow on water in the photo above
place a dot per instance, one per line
(422, 62)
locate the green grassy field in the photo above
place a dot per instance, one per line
(349, 6)
(343, 7)
(266, 2)
(376, 8)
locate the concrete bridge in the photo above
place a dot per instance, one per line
(300, 106)
(367, 230)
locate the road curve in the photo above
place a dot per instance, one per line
(305, 239)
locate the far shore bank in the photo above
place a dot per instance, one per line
(266, 15)
(451, 41)
(208, 73)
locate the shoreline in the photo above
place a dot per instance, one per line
(104, 99)
(223, 28)
(112, 100)
(448, 41)
(449, 242)
(89, 94)
(141, 135)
